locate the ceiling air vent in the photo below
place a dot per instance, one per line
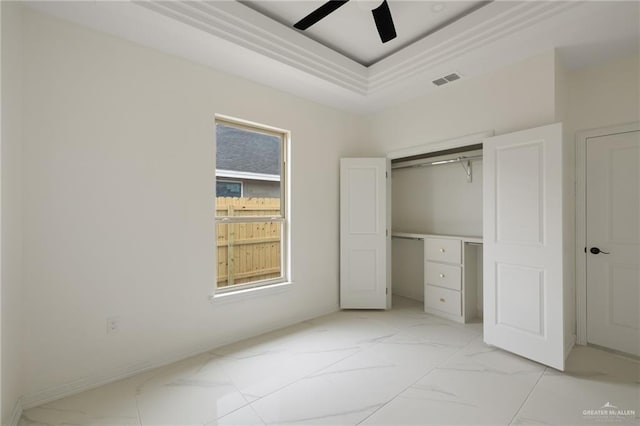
(446, 79)
(452, 77)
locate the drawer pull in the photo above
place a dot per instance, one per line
(441, 250)
(442, 300)
(441, 275)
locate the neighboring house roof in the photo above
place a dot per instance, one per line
(244, 151)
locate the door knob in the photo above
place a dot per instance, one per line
(596, 250)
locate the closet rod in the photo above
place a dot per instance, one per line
(436, 163)
(406, 238)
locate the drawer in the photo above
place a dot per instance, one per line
(443, 250)
(442, 275)
(443, 300)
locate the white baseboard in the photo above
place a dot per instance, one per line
(71, 388)
(16, 413)
(54, 393)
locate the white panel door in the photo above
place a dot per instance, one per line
(522, 208)
(365, 268)
(613, 241)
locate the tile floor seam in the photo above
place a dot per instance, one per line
(421, 348)
(305, 377)
(215, 421)
(416, 381)
(248, 403)
(396, 396)
(528, 396)
(459, 350)
(398, 330)
(264, 422)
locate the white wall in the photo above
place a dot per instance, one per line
(118, 205)
(512, 98)
(11, 227)
(604, 95)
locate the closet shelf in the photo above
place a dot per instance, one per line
(465, 162)
(418, 236)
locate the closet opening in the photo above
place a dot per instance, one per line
(437, 231)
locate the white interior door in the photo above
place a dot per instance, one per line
(613, 228)
(522, 218)
(365, 218)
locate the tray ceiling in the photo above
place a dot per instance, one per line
(351, 30)
(350, 69)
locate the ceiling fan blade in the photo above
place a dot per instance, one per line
(384, 22)
(319, 13)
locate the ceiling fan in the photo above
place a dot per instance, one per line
(381, 16)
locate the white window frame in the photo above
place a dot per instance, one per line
(245, 289)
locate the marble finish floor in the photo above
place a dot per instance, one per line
(363, 367)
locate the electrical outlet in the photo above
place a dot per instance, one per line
(113, 325)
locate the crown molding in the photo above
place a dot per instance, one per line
(237, 23)
(486, 25)
(231, 37)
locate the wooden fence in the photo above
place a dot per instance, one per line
(248, 251)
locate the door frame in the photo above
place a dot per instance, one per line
(581, 219)
(440, 145)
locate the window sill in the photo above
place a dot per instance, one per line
(249, 293)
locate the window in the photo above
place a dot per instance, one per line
(227, 188)
(250, 209)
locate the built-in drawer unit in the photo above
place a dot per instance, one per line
(443, 300)
(443, 250)
(452, 280)
(443, 275)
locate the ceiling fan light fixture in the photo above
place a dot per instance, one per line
(381, 16)
(384, 22)
(318, 14)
